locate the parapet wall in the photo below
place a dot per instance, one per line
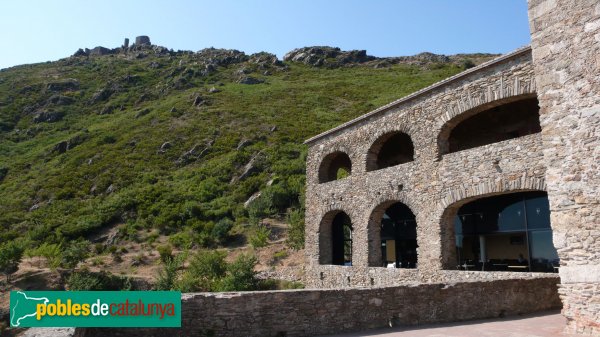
(316, 312)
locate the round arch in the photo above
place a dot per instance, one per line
(392, 236)
(335, 238)
(491, 122)
(458, 200)
(334, 166)
(390, 149)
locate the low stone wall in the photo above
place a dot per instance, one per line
(331, 276)
(314, 312)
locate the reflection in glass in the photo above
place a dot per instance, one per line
(341, 235)
(399, 237)
(508, 232)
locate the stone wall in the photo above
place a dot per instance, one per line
(434, 185)
(315, 312)
(566, 52)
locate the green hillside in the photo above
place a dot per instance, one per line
(174, 143)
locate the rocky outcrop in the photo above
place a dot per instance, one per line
(221, 57)
(265, 60)
(253, 166)
(327, 56)
(47, 116)
(331, 57)
(59, 100)
(250, 80)
(100, 51)
(65, 85)
(69, 144)
(195, 153)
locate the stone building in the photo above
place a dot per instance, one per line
(492, 174)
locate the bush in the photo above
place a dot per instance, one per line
(76, 252)
(220, 231)
(165, 252)
(87, 280)
(84, 281)
(206, 270)
(260, 237)
(240, 275)
(295, 238)
(50, 252)
(107, 139)
(167, 277)
(183, 240)
(10, 257)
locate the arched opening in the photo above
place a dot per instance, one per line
(336, 165)
(504, 120)
(335, 239)
(509, 232)
(391, 149)
(393, 236)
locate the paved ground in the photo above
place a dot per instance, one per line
(548, 324)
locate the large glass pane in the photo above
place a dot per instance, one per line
(544, 257)
(502, 224)
(512, 216)
(538, 212)
(399, 237)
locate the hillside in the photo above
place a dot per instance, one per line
(147, 146)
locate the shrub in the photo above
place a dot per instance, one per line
(295, 238)
(87, 280)
(50, 252)
(107, 139)
(220, 232)
(10, 257)
(165, 252)
(240, 275)
(282, 254)
(167, 276)
(260, 237)
(76, 252)
(206, 270)
(84, 281)
(182, 240)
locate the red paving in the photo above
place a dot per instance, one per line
(547, 324)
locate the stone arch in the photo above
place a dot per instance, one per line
(335, 165)
(374, 229)
(461, 121)
(390, 149)
(461, 195)
(327, 239)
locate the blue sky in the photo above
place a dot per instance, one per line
(38, 31)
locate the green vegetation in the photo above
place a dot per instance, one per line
(208, 271)
(166, 145)
(86, 280)
(260, 237)
(10, 256)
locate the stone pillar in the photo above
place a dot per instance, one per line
(565, 39)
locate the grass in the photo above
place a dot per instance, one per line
(118, 173)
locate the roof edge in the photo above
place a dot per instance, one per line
(420, 92)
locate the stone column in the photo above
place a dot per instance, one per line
(565, 38)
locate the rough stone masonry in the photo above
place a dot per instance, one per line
(562, 71)
(565, 38)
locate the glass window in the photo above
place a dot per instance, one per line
(538, 212)
(507, 232)
(544, 257)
